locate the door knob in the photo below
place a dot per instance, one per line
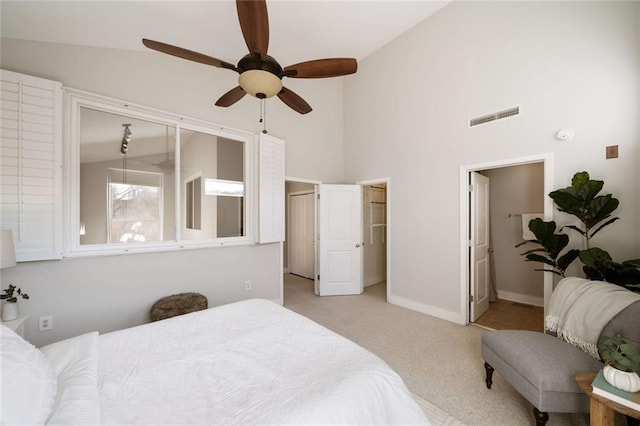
(357, 245)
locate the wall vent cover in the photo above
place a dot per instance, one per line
(510, 112)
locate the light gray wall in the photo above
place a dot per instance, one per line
(567, 64)
(107, 293)
(515, 190)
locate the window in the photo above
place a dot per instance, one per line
(135, 206)
(139, 179)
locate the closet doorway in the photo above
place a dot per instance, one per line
(301, 230)
(300, 248)
(375, 212)
(495, 220)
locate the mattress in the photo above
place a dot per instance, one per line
(250, 362)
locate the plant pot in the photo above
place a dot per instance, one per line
(623, 380)
(9, 311)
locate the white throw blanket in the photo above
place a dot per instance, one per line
(579, 310)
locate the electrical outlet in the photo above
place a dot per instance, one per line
(247, 285)
(45, 323)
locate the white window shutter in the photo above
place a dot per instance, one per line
(271, 189)
(31, 164)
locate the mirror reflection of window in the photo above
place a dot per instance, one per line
(126, 189)
(135, 206)
(215, 158)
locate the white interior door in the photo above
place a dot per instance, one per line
(302, 234)
(479, 245)
(340, 242)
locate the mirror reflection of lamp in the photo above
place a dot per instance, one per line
(126, 138)
(83, 230)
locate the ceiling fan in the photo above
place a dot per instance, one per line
(260, 75)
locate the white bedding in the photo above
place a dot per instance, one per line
(250, 362)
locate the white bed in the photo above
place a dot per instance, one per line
(251, 362)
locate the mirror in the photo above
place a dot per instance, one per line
(127, 189)
(210, 159)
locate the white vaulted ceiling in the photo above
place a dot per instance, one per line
(299, 30)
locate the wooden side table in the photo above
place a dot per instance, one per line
(602, 410)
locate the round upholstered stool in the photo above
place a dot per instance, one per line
(178, 304)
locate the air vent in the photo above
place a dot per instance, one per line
(494, 116)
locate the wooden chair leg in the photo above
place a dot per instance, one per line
(489, 376)
(541, 417)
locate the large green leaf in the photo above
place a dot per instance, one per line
(599, 209)
(595, 257)
(566, 259)
(567, 201)
(545, 234)
(586, 188)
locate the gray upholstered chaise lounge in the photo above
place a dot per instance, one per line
(542, 367)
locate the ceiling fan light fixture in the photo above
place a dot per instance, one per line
(259, 83)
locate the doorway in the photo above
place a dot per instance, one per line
(375, 197)
(375, 236)
(301, 230)
(516, 294)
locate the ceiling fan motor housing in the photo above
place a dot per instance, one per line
(262, 79)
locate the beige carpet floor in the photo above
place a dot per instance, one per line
(439, 361)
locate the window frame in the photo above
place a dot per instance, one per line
(75, 100)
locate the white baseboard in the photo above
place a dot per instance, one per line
(520, 298)
(425, 309)
(369, 281)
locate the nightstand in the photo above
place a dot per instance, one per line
(17, 324)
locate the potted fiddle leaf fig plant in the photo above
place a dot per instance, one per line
(594, 212)
(10, 307)
(622, 364)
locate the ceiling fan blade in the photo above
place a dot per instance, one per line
(187, 54)
(294, 101)
(231, 97)
(254, 22)
(321, 68)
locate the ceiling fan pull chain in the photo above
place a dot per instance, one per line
(261, 109)
(263, 115)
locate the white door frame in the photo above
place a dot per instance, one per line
(387, 237)
(315, 230)
(547, 160)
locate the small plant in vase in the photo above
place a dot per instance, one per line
(10, 308)
(622, 364)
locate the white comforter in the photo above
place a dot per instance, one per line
(250, 362)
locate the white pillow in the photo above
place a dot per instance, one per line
(28, 381)
(75, 362)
